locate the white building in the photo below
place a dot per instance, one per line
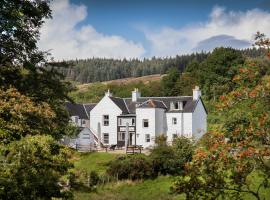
(147, 117)
(79, 116)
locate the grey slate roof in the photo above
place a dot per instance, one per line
(121, 104)
(152, 104)
(76, 110)
(188, 103)
(89, 107)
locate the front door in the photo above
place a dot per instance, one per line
(130, 139)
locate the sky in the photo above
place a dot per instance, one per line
(129, 29)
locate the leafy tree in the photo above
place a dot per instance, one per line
(185, 84)
(169, 159)
(168, 82)
(32, 168)
(234, 155)
(32, 113)
(217, 71)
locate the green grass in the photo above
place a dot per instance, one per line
(93, 161)
(158, 189)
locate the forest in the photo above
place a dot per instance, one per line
(98, 69)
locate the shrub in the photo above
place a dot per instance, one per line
(93, 179)
(131, 167)
(171, 159)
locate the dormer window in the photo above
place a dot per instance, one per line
(177, 105)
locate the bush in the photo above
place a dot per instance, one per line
(171, 159)
(131, 167)
(93, 179)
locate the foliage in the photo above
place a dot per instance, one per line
(131, 167)
(223, 167)
(158, 189)
(168, 159)
(32, 113)
(185, 84)
(93, 178)
(48, 161)
(100, 69)
(20, 116)
(96, 91)
(168, 82)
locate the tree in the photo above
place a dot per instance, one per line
(234, 155)
(217, 71)
(168, 82)
(171, 159)
(185, 84)
(32, 113)
(32, 169)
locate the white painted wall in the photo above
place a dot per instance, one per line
(85, 137)
(187, 125)
(173, 128)
(80, 122)
(105, 107)
(145, 113)
(160, 121)
(199, 121)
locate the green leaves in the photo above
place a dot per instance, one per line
(30, 165)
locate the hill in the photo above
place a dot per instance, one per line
(142, 79)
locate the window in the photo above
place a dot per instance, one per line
(147, 137)
(83, 121)
(145, 123)
(121, 136)
(133, 121)
(174, 120)
(76, 120)
(105, 120)
(106, 138)
(120, 121)
(174, 136)
(85, 137)
(177, 105)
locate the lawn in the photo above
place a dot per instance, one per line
(93, 161)
(158, 189)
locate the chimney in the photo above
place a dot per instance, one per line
(108, 93)
(135, 95)
(196, 93)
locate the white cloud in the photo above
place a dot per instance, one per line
(65, 41)
(241, 26)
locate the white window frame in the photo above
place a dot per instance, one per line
(174, 120)
(133, 121)
(120, 121)
(121, 136)
(145, 121)
(106, 122)
(76, 119)
(147, 138)
(106, 140)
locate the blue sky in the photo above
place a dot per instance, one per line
(140, 28)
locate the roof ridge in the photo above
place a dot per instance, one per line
(85, 111)
(157, 97)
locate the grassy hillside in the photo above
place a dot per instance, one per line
(142, 79)
(158, 189)
(93, 92)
